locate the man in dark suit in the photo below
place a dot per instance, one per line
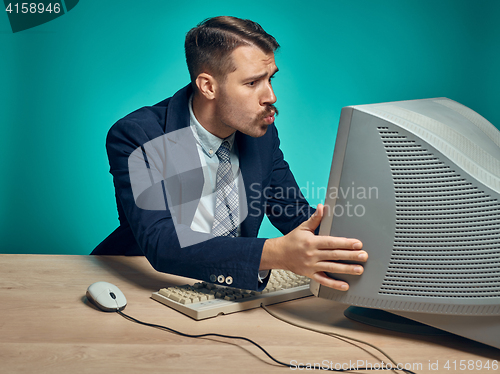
(170, 165)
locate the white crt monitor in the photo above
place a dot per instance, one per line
(418, 182)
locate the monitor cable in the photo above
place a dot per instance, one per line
(164, 328)
(344, 338)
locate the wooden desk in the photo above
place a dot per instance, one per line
(47, 326)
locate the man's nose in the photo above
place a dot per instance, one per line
(268, 96)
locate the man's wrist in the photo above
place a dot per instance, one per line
(270, 258)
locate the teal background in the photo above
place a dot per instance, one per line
(64, 83)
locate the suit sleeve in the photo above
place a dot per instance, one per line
(155, 233)
(286, 207)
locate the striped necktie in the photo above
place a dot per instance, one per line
(226, 204)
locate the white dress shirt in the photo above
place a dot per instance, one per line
(207, 145)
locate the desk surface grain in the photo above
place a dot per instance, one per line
(48, 326)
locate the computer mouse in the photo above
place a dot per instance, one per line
(106, 296)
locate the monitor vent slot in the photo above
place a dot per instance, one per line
(447, 239)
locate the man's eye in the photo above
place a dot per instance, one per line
(251, 83)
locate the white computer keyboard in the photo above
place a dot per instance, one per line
(204, 300)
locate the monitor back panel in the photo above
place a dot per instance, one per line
(418, 183)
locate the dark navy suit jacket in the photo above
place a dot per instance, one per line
(270, 189)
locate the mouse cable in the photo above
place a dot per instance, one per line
(245, 339)
(335, 335)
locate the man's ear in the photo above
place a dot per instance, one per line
(207, 85)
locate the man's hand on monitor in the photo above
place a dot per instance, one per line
(305, 253)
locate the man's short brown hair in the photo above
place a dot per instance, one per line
(209, 45)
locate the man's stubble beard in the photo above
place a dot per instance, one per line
(257, 122)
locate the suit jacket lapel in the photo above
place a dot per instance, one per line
(249, 158)
(185, 175)
(250, 165)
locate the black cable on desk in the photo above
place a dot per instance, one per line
(247, 340)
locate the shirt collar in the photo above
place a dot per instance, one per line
(209, 142)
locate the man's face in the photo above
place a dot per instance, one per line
(245, 99)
